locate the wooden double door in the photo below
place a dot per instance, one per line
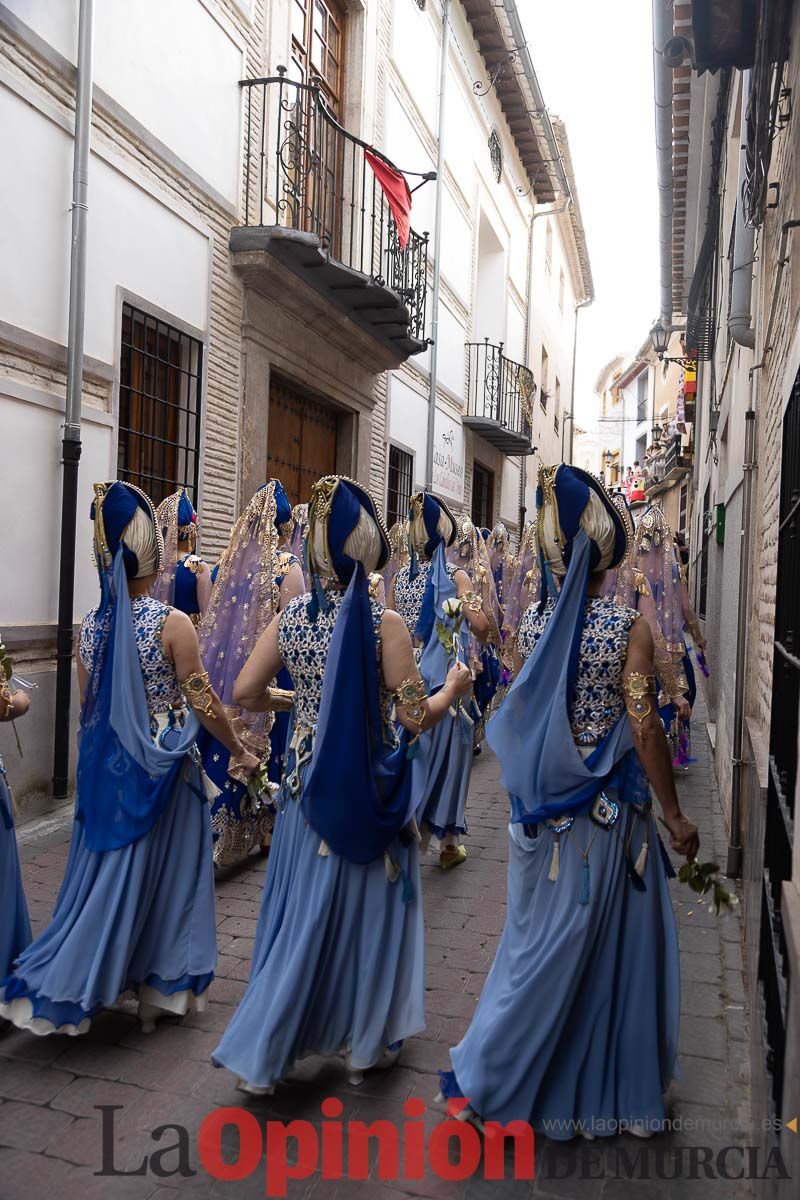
(302, 439)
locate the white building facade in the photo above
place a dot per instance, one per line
(250, 308)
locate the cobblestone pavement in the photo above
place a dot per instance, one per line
(50, 1128)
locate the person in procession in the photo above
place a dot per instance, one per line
(576, 1030)
(258, 576)
(135, 912)
(15, 927)
(338, 959)
(421, 593)
(185, 580)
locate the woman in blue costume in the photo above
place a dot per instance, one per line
(258, 576)
(576, 1030)
(185, 581)
(135, 912)
(15, 928)
(471, 555)
(443, 762)
(338, 959)
(659, 602)
(502, 561)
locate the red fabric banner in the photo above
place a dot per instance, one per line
(397, 193)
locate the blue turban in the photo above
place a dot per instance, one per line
(283, 509)
(348, 500)
(119, 505)
(571, 491)
(186, 512)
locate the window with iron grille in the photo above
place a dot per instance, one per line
(705, 534)
(482, 496)
(556, 404)
(159, 405)
(496, 155)
(398, 492)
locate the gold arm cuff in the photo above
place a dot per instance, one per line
(471, 602)
(198, 691)
(411, 695)
(280, 699)
(5, 699)
(638, 689)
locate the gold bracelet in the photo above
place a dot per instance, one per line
(279, 699)
(637, 689)
(5, 699)
(471, 602)
(198, 691)
(411, 695)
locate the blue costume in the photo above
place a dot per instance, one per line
(338, 959)
(442, 765)
(15, 928)
(177, 582)
(136, 907)
(245, 598)
(577, 1025)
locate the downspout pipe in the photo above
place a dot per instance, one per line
(740, 318)
(437, 242)
(71, 445)
(734, 862)
(571, 415)
(662, 91)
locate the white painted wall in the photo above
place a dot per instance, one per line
(174, 66)
(31, 501)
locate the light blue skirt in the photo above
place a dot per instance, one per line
(338, 961)
(441, 773)
(15, 928)
(577, 1025)
(138, 919)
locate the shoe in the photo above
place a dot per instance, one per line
(148, 1014)
(637, 1130)
(252, 1090)
(452, 856)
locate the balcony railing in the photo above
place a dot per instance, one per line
(669, 463)
(500, 396)
(313, 201)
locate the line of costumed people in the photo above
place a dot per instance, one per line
(183, 766)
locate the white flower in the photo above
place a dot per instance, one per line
(452, 607)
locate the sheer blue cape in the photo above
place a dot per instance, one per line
(357, 789)
(542, 768)
(124, 778)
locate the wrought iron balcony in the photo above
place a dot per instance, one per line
(314, 203)
(500, 396)
(671, 462)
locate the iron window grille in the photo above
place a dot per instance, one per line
(420, 4)
(159, 405)
(496, 156)
(398, 492)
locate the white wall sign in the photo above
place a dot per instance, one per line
(448, 457)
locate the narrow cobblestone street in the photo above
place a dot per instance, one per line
(50, 1129)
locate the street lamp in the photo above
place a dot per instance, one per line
(659, 336)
